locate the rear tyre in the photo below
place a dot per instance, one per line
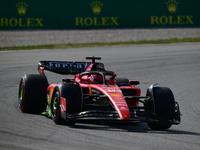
(164, 106)
(72, 95)
(32, 93)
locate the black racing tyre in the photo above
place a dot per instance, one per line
(122, 81)
(32, 93)
(164, 106)
(72, 95)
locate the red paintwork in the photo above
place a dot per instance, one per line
(116, 97)
(41, 71)
(62, 104)
(132, 102)
(90, 67)
(113, 92)
(50, 90)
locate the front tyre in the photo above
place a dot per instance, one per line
(71, 93)
(164, 107)
(55, 107)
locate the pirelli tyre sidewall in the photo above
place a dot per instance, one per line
(32, 93)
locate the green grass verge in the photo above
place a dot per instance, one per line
(77, 45)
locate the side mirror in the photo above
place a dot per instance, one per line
(134, 82)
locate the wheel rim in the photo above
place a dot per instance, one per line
(55, 103)
(21, 95)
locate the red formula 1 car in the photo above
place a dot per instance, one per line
(95, 94)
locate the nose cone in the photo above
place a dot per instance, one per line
(124, 113)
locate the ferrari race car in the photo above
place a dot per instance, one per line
(95, 95)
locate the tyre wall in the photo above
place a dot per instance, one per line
(91, 14)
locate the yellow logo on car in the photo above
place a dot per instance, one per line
(115, 95)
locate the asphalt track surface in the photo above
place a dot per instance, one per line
(176, 66)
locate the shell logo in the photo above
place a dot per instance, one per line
(116, 95)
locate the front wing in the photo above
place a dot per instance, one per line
(137, 115)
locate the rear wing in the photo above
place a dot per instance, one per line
(65, 67)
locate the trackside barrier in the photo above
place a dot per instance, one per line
(94, 14)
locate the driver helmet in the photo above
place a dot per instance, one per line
(96, 79)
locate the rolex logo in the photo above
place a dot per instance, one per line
(172, 5)
(21, 8)
(96, 7)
